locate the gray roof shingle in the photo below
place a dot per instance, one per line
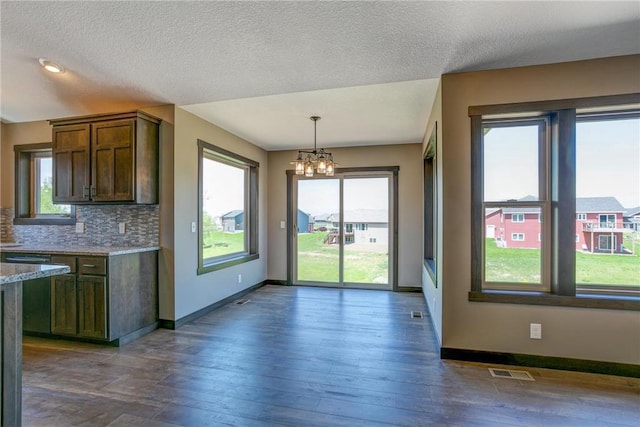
(583, 205)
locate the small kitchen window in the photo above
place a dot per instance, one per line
(34, 188)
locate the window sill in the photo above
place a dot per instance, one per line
(44, 221)
(539, 298)
(430, 266)
(227, 263)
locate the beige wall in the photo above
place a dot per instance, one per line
(191, 291)
(432, 293)
(17, 134)
(407, 156)
(604, 335)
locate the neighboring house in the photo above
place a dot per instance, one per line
(631, 218)
(599, 225)
(493, 221)
(233, 221)
(322, 222)
(305, 222)
(365, 226)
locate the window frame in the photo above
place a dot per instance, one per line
(430, 209)
(563, 116)
(25, 177)
(541, 203)
(515, 237)
(215, 153)
(581, 216)
(518, 215)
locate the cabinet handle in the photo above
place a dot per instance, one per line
(92, 191)
(85, 192)
(89, 265)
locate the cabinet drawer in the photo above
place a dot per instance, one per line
(65, 260)
(92, 265)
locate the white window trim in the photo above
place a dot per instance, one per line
(514, 215)
(514, 237)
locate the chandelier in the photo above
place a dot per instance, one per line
(316, 161)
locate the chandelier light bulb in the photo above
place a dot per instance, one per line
(317, 161)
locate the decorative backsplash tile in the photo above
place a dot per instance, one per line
(142, 227)
(6, 225)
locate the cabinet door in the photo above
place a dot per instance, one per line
(112, 160)
(63, 304)
(92, 306)
(71, 157)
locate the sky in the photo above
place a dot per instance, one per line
(607, 161)
(223, 188)
(322, 196)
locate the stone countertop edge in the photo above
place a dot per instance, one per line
(10, 273)
(76, 250)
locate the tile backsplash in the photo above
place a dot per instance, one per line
(142, 227)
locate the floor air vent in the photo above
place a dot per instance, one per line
(416, 315)
(242, 301)
(511, 374)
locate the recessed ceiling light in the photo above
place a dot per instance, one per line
(51, 66)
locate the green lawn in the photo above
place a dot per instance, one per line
(319, 262)
(218, 243)
(523, 266)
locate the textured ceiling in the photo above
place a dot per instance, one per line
(123, 55)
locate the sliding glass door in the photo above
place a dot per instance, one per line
(318, 251)
(342, 232)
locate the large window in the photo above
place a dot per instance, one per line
(607, 184)
(34, 188)
(430, 177)
(514, 197)
(228, 208)
(567, 172)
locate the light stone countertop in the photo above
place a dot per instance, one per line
(10, 273)
(38, 248)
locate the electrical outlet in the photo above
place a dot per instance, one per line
(239, 278)
(121, 228)
(535, 331)
(79, 227)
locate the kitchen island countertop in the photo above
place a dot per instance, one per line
(10, 273)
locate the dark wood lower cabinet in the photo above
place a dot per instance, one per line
(92, 304)
(110, 298)
(64, 309)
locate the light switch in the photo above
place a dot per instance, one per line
(535, 331)
(193, 227)
(282, 224)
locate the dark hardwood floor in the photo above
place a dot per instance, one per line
(304, 357)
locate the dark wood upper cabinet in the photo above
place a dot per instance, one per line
(106, 159)
(71, 159)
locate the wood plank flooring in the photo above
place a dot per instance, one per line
(302, 356)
